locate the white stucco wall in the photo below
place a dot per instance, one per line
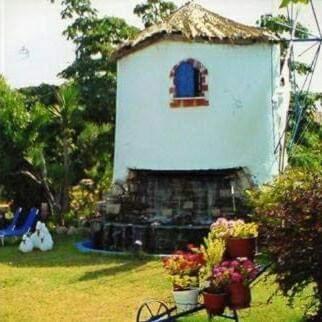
(236, 130)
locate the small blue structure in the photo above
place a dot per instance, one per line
(14, 231)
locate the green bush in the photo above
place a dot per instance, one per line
(290, 213)
(83, 198)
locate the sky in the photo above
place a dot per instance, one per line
(33, 50)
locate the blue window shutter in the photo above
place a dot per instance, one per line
(185, 80)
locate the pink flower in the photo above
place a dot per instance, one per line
(231, 223)
(225, 264)
(219, 222)
(236, 277)
(234, 264)
(216, 271)
(231, 270)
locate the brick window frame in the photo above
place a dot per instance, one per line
(182, 102)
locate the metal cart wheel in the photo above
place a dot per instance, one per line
(152, 309)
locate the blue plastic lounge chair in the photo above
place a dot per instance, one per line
(24, 229)
(14, 221)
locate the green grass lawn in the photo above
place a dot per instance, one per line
(65, 285)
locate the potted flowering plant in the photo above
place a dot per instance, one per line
(240, 273)
(212, 281)
(183, 268)
(215, 295)
(240, 237)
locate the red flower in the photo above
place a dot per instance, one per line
(184, 262)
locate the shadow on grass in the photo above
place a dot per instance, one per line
(110, 271)
(65, 254)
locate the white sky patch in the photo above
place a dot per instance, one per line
(2, 34)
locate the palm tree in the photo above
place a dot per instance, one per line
(64, 113)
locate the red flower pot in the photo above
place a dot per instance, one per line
(241, 247)
(215, 303)
(239, 296)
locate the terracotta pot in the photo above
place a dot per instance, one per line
(239, 296)
(186, 300)
(215, 303)
(241, 247)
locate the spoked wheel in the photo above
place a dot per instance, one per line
(153, 310)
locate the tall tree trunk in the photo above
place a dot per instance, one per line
(54, 208)
(66, 183)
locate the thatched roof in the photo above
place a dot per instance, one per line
(192, 22)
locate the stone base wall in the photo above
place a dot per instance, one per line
(153, 239)
(164, 211)
(177, 197)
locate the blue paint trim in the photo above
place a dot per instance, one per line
(85, 246)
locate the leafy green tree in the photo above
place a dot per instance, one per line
(94, 71)
(81, 143)
(22, 146)
(93, 68)
(64, 113)
(35, 142)
(53, 137)
(280, 25)
(44, 94)
(289, 208)
(289, 211)
(285, 3)
(154, 11)
(308, 153)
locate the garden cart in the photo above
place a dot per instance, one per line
(153, 310)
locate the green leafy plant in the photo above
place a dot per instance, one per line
(154, 11)
(93, 69)
(184, 282)
(289, 211)
(213, 251)
(48, 149)
(54, 137)
(281, 24)
(285, 3)
(94, 72)
(84, 198)
(23, 167)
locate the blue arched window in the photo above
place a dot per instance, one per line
(187, 80)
